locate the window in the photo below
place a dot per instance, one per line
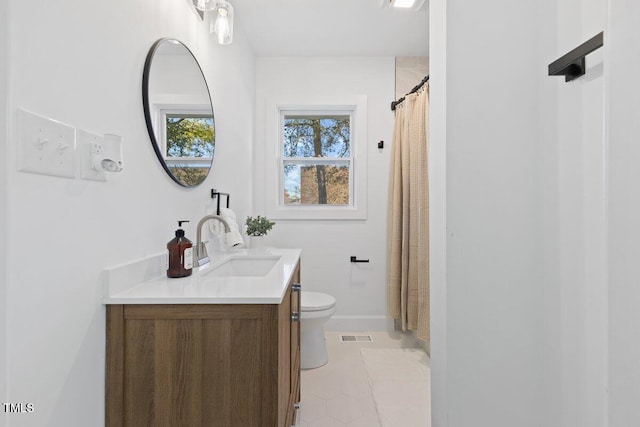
(187, 143)
(316, 163)
(321, 162)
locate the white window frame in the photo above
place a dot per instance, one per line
(357, 209)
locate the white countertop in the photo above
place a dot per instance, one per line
(203, 287)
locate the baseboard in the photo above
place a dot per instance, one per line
(359, 324)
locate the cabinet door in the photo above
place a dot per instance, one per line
(192, 365)
(289, 352)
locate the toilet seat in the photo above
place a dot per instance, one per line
(316, 301)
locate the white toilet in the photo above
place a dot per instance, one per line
(316, 308)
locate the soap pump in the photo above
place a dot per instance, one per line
(180, 254)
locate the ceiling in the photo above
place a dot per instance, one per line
(331, 28)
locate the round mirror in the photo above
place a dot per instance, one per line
(178, 112)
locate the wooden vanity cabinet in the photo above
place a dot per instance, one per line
(204, 365)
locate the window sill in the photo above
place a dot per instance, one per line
(317, 213)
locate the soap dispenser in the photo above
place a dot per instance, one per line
(180, 254)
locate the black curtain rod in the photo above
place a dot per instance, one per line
(414, 90)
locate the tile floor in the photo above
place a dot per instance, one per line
(339, 394)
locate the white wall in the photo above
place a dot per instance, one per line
(4, 63)
(493, 297)
(438, 211)
(81, 63)
(623, 64)
(573, 181)
(164, 85)
(526, 330)
(360, 289)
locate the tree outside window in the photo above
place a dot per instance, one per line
(316, 159)
(189, 145)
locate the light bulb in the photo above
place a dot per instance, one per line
(222, 26)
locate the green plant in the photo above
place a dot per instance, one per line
(258, 226)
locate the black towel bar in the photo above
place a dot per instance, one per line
(572, 65)
(215, 194)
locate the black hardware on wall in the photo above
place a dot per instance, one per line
(381, 144)
(572, 65)
(215, 194)
(414, 90)
(355, 259)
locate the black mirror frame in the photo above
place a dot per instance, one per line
(147, 108)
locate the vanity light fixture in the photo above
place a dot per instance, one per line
(204, 5)
(404, 4)
(222, 22)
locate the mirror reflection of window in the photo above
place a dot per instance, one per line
(178, 112)
(188, 144)
(188, 136)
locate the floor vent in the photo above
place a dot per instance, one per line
(356, 338)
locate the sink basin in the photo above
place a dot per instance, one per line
(246, 266)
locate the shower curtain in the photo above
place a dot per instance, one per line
(408, 217)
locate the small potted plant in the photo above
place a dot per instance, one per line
(257, 228)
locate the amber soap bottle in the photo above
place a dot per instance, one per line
(180, 254)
